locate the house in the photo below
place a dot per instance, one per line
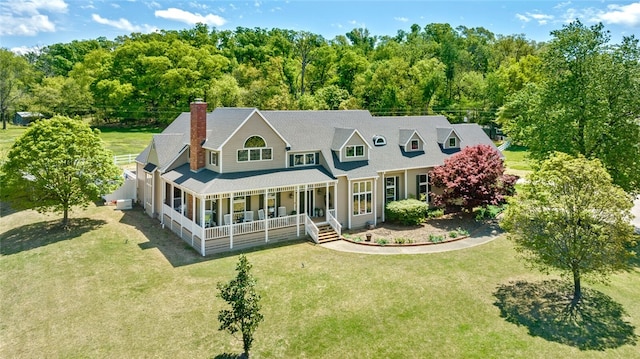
(25, 118)
(239, 177)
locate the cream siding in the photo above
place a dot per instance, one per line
(254, 126)
(208, 164)
(415, 136)
(453, 134)
(354, 140)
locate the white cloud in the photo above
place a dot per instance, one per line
(121, 24)
(542, 19)
(628, 15)
(190, 18)
(401, 19)
(23, 50)
(27, 17)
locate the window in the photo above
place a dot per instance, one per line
(355, 151)
(391, 189)
(415, 145)
(255, 149)
(213, 158)
(452, 142)
(362, 195)
(304, 159)
(423, 187)
(379, 140)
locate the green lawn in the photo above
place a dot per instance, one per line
(517, 161)
(121, 141)
(120, 286)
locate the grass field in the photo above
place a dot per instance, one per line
(121, 141)
(119, 286)
(517, 161)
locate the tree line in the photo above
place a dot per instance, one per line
(461, 72)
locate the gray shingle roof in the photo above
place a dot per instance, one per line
(211, 182)
(323, 131)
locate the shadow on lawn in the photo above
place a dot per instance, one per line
(44, 233)
(174, 249)
(597, 323)
(229, 356)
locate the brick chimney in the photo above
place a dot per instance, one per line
(198, 134)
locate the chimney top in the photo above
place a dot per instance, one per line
(198, 100)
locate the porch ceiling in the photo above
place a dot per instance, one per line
(209, 182)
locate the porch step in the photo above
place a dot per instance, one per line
(327, 234)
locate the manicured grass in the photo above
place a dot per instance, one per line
(118, 285)
(121, 141)
(517, 161)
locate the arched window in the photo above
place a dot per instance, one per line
(254, 141)
(255, 149)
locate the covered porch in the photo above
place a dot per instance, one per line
(223, 221)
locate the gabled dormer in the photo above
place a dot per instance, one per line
(349, 145)
(448, 138)
(411, 141)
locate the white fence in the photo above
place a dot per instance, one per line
(504, 145)
(124, 159)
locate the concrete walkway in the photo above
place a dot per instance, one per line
(482, 235)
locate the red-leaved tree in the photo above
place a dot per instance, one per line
(473, 177)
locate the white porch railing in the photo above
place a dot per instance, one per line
(504, 145)
(311, 228)
(333, 222)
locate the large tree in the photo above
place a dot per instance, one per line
(58, 164)
(585, 103)
(244, 315)
(15, 75)
(570, 217)
(473, 177)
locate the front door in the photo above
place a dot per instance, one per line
(307, 206)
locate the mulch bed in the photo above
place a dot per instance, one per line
(397, 234)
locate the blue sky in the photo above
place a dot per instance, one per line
(28, 24)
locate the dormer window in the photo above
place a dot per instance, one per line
(213, 158)
(379, 140)
(452, 142)
(354, 151)
(415, 145)
(255, 149)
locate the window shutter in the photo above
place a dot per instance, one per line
(397, 188)
(317, 158)
(290, 160)
(418, 187)
(247, 203)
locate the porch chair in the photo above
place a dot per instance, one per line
(227, 219)
(248, 216)
(282, 211)
(261, 214)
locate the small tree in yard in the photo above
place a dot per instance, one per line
(244, 315)
(570, 217)
(473, 177)
(58, 164)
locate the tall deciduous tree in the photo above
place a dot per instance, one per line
(244, 315)
(472, 178)
(570, 217)
(587, 102)
(58, 164)
(15, 74)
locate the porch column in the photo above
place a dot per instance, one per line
(326, 202)
(219, 210)
(297, 208)
(202, 224)
(384, 194)
(349, 202)
(193, 217)
(231, 224)
(375, 202)
(153, 194)
(266, 215)
(406, 184)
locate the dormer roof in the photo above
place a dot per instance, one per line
(407, 135)
(342, 135)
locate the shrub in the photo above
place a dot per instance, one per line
(435, 238)
(462, 232)
(407, 211)
(488, 212)
(435, 213)
(453, 234)
(402, 240)
(382, 241)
